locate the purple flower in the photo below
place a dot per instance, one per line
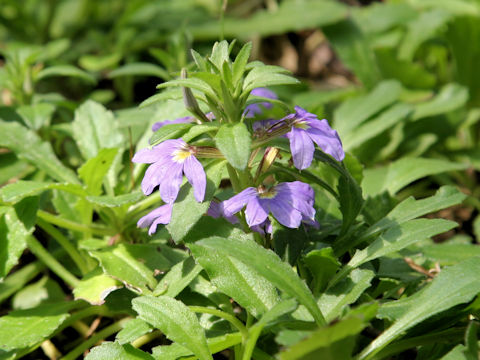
(263, 228)
(170, 160)
(253, 109)
(290, 203)
(306, 130)
(216, 211)
(160, 215)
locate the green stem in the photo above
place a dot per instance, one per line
(44, 256)
(144, 204)
(64, 243)
(221, 314)
(72, 225)
(234, 178)
(145, 339)
(102, 334)
(253, 335)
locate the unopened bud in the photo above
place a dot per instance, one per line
(191, 103)
(207, 152)
(267, 160)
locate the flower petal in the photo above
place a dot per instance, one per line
(301, 147)
(195, 174)
(163, 218)
(171, 181)
(182, 120)
(263, 228)
(152, 177)
(284, 212)
(255, 214)
(326, 138)
(237, 202)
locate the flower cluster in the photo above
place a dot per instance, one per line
(290, 203)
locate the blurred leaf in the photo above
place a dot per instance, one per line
(267, 263)
(95, 287)
(354, 51)
(450, 97)
(290, 16)
(116, 201)
(43, 291)
(22, 189)
(27, 145)
(457, 7)
(454, 285)
(450, 254)
(175, 320)
(457, 353)
(65, 70)
(400, 173)
(113, 350)
(23, 328)
(100, 62)
(243, 284)
(186, 210)
(37, 115)
(381, 17)
(139, 69)
(346, 292)
(94, 128)
(234, 142)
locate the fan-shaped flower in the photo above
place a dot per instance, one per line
(290, 203)
(306, 129)
(169, 161)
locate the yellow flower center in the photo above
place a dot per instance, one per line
(181, 154)
(265, 193)
(301, 125)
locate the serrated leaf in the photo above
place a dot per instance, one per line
(454, 285)
(134, 265)
(22, 189)
(114, 350)
(238, 281)
(178, 278)
(65, 70)
(400, 173)
(139, 69)
(27, 145)
(234, 143)
(23, 328)
(186, 210)
(133, 330)
(37, 115)
(170, 131)
(95, 287)
(346, 292)
(269, 265)
(399, 237)
(94, 128)
(175, 320)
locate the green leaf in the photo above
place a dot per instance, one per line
(37, 115)
(368, 130)
(399, 237)
(354, 51)
(116, 201)
(454, 285)
(354, 111)
(193, 83)
(400, 173)
(350, 199)
(27, 145)
(457, 353)
(114, 350)
(450, 97)
(186, 210)
(178, 278)
(134, 265)
(23, 328)
(269, 265)
(323, 265)
(267, 75)
(93, 172)
(139, 69)
(22, 189)
(17, 280)
(234, 143)
(410, 208)
(43, 291)
(219, 54)
(94, 128)
(95, 287)
(240, 282)
(133, 330)
(346, 292)
(16, 224)
(450, 254)
(169, 131)
(65, 70)
(175, 320)
(199, 129)
(290, 16)
(328, 343)
(238, 67)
